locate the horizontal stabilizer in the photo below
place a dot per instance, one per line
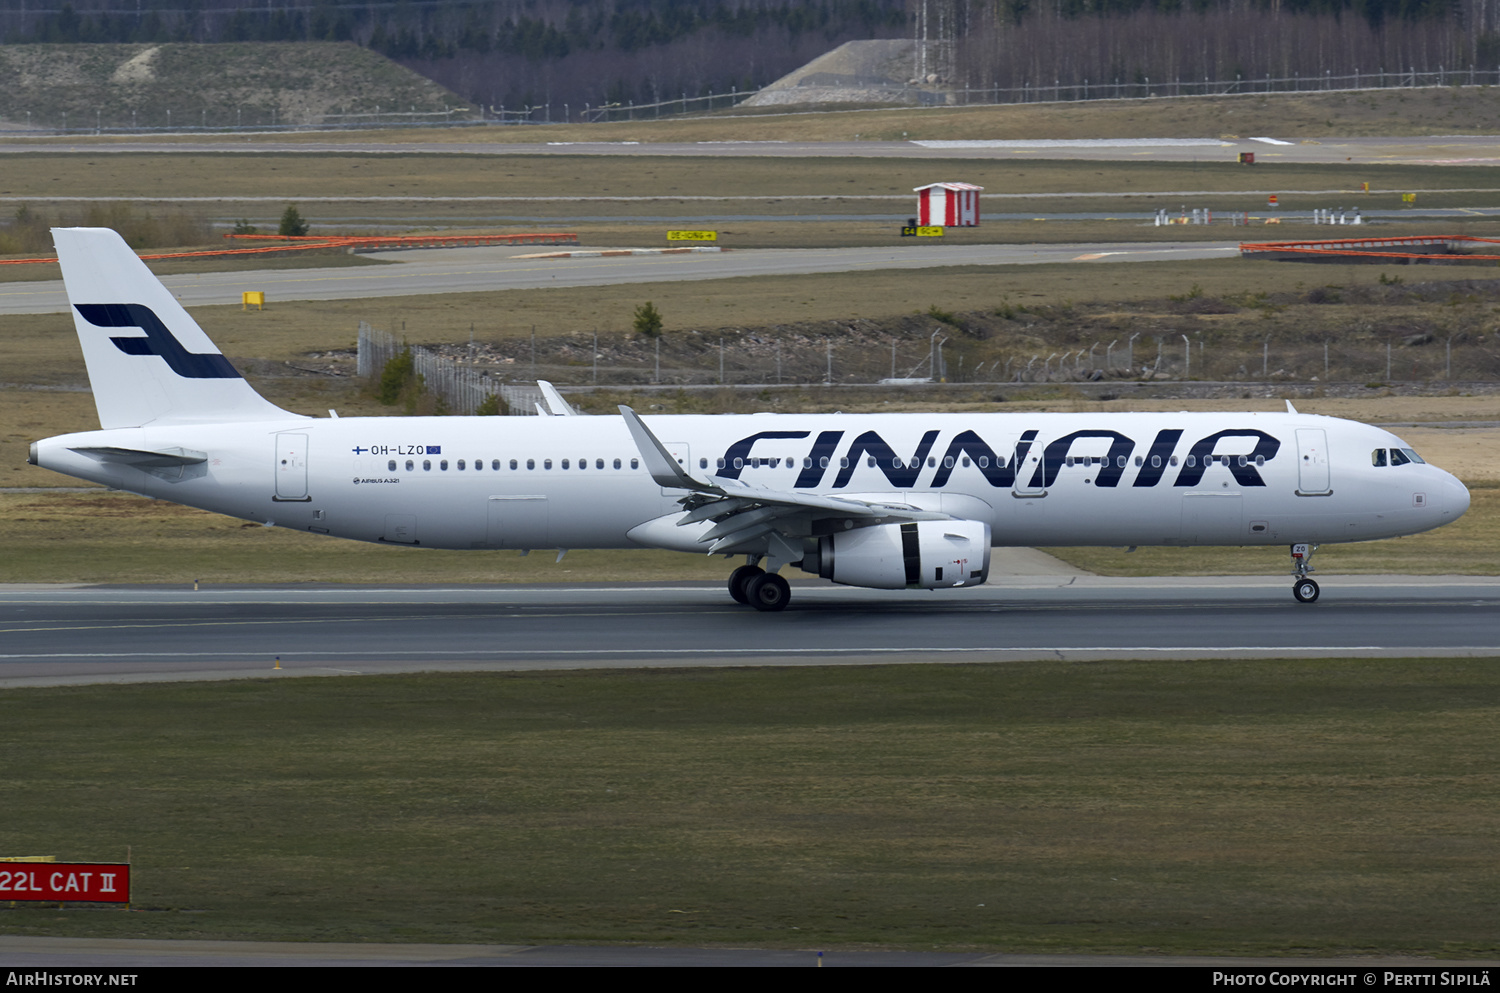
(145, 460)
(169, 464)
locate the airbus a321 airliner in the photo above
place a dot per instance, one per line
(890, 501)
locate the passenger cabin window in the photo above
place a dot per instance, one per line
(426, 465)
(391, 465)
(460, 465)
(495, 464)
(410, 465)
(617, 463)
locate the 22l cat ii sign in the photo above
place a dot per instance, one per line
(66, 882)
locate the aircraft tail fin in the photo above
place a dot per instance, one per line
(148, 361)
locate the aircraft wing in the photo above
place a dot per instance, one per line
(750, 518)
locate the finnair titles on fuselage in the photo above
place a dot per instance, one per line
(888, 501)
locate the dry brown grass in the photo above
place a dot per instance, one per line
(1372, 113)
(167, 178)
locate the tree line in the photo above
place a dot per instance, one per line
(1014, 43)
(510, 53)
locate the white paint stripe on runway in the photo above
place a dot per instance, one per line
(1206, 650)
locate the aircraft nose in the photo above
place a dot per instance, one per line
(1458, 497)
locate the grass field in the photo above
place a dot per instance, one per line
(1373, 113)
(1302, 808)
(166, 178)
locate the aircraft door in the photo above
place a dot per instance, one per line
(1029, 477)
(291, 467)
(1312, 463)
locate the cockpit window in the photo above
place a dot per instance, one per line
(1398, 456)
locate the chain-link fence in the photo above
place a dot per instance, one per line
(463, 389)
(463, 376)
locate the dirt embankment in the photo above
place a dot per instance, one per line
(106, 87)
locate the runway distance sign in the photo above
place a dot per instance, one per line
(65, 882)
(923, 231)
(692, 236)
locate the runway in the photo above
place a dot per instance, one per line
(467, 270)
(55, 636)
(1429, 150)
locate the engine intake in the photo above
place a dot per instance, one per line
(924, 555)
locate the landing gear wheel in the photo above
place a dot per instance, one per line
(1305, 590)
(740, 578)
(768, 591)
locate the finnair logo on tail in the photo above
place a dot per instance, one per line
(158, 341)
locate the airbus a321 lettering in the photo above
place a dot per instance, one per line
(889, 501)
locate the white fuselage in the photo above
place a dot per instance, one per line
(578, 482)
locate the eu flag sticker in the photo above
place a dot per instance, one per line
(434, 449)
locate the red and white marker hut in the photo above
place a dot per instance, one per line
(948, 205)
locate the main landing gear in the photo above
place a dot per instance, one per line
(1303, 589)
(760, 589)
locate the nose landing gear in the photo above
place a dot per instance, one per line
(1304, 590)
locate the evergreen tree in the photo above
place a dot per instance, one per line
(292, 224)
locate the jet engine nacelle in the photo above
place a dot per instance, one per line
(918, 554)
